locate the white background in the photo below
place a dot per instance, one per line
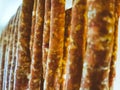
(9, 7)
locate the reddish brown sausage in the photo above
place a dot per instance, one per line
(22, 71)
(33, 27)
(66, 43)
(100, 34)
(36, 75)
(55, 53)
(76, 48)
(46, 35)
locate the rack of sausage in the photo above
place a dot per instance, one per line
(45, 47)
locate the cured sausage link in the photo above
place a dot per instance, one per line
(76, 48)
(36, 76)
(55, 53)
(66, 43)
(100, 35)
(33, 27)
(22, 70)
(46, 35)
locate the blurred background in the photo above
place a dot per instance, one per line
(9, 7)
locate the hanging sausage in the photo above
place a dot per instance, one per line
(33, 27)
(46, 35)
(55, 54)
(100, 34)
(76, 49)
(22, 69)
(66, 43)
(36, 75)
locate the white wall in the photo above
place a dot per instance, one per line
(7, 9)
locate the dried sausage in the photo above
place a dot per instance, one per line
(66, 43)
(55, 53)
(76, 49)
(22, 70)
(95, 75)
(46, 35)
(36, 74)
(33, 27)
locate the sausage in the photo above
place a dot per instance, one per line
(76, 49)
(95, 75)
(55, 54)
(36, 75)
(112, 73)
(33, 26)
(66, 42)
(22, 69)
(13, 62)
(46, 35)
